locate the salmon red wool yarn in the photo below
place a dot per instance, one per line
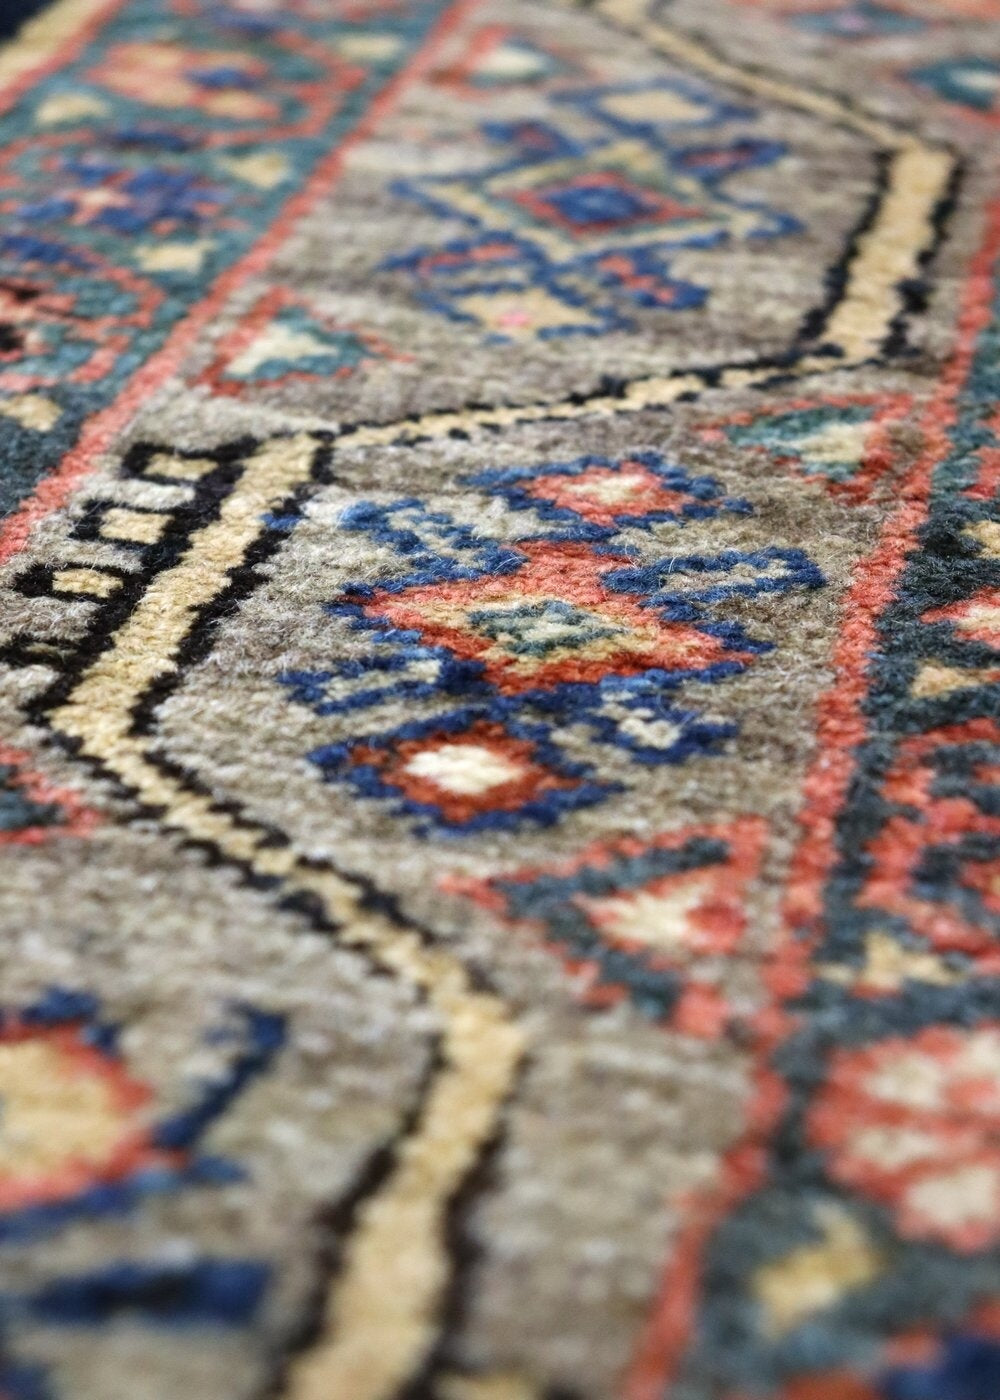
(499, 700)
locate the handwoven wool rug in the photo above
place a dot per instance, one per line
(500, 700)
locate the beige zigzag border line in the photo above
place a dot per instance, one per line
(380, 1317)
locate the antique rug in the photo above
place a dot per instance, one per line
(500, 700)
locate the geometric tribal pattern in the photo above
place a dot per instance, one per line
(500, 700)
(109, 1158)
(567, 234)
(563, 623)
(970, 80)
(136, 176)
(654, 922)
(879, 1071)
(845, 444)
(59, 1058)
(280, 341)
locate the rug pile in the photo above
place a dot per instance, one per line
(500, 700)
